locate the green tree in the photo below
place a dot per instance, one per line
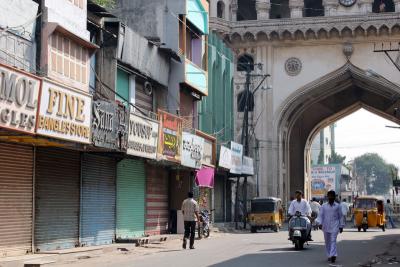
(336, 158)
(377, 172)
(105, 3)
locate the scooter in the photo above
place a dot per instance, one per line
(204, 224)
(299, 230)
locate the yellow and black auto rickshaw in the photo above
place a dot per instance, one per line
(266, 213)
(369, 212)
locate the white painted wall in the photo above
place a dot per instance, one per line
(68, 16)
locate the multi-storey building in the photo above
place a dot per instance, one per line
(325, 62)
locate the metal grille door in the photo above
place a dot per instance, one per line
(16, 172)
(98, 200)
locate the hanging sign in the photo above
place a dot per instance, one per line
(170, 137)
(109, 125)
(143, 137)
(225, 158)
(64, 113)
(248, 166)
(192, 150)
(236, 156)
(19, 95)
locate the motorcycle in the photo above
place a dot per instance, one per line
(204, 224)
(299, 230)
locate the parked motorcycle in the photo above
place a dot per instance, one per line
(204, 224)
(299, 230)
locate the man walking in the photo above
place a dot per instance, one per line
(345, 210)
(389, 213)
(330, 220)
(190, 210)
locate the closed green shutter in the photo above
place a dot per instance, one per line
(130, 199)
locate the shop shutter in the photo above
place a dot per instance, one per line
(130, 199)
(157, 212)
(16, 172)
(219, 198)
(98, 200)
(57, 199)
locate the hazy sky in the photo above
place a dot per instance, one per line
(363, 132)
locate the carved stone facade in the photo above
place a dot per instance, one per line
(340, 72)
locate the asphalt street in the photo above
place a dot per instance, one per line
(250, 250)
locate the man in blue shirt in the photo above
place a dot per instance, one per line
(330, 220)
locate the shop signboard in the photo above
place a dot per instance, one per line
(248, 166)
(64, 113)
(236, 157)
(109, 125)
(192, 150)
(143, 136)
(225, 158)
(19, 96)
(170, 137)
(324, 179)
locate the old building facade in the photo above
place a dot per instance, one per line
(324, 61)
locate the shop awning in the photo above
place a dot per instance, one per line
(205, 177)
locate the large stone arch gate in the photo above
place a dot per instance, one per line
(317, 105)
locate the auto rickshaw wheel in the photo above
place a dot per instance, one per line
(253, 229)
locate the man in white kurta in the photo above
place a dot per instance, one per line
(330, 220)
(301, 205)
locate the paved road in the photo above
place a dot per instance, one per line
(250, 250)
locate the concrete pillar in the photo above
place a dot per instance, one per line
(263, 7)
(331, 7)
(365, 6)
(397, 5)
(234, 10)
(213, 8)
(296, 8)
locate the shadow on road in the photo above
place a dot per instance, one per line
(351, 253)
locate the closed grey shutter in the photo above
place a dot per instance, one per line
(98, 200)
(16, 172)
(57, 199)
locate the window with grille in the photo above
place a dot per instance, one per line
(78, 3)
(68, 59)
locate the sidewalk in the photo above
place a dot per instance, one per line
(391, 257)
(76, 254)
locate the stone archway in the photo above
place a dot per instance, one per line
(318, 104)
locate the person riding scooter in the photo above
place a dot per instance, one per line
(303, 207)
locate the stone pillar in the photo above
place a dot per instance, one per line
(296, 8)
(331, 7)
(213, 8)
(263, 7)
(365, 6)
(397, 5)
(234, 10)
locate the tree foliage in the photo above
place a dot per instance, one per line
(336, 158)
(378, 174)
(105, 3)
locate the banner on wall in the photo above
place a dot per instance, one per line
(323, 179)
(225, 158)
(236, 158)
(192, 150)
(170, 137)
(248, 166)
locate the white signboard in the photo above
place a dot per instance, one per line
(192, 150)
(143, 137)
(208, 153)
(19, 94)
(64, 113)
(237, 154)
(248, 166)
(225, 159)
(323, 179)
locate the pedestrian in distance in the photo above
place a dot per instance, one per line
(330, 220)
(345, 210)
(389, 213)
(190, 210)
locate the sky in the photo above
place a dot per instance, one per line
(364, 132)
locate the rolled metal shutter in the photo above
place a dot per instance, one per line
(57, 199)
(98, 200)
(130, 199)
(157, 211)
(16, 172)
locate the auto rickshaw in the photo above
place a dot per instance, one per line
(266, 213)
(369, 212)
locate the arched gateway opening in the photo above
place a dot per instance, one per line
(318, 105)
